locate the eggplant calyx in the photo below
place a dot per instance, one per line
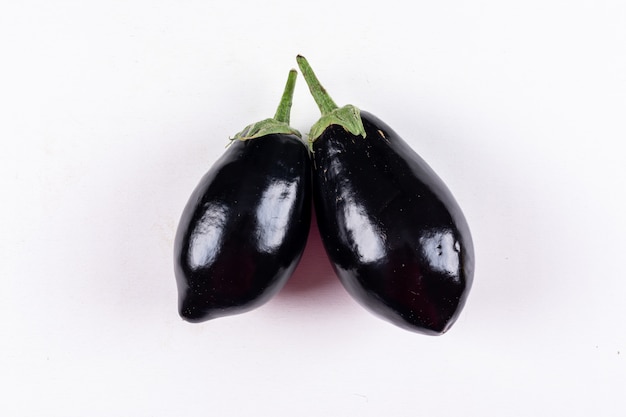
(348, 117)
(264, 128)
(279, 124)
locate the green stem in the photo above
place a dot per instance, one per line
(279, 124)
(284, 107)
(321, 97)
(348, 116)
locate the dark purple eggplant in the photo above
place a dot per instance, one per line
(394, 233)
(245, 227)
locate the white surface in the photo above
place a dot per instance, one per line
(112, 111)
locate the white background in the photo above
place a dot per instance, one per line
(111, 111)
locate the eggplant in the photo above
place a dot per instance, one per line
(245, 226)
(395, 235)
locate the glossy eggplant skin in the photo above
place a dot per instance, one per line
(396, 237)
(244, 229)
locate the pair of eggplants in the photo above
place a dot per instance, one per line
(395, 236)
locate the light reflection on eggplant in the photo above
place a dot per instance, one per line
(441, 251)
(206, 237)
(273, 214)
(364, 237)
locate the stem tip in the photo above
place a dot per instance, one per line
(321, 97)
